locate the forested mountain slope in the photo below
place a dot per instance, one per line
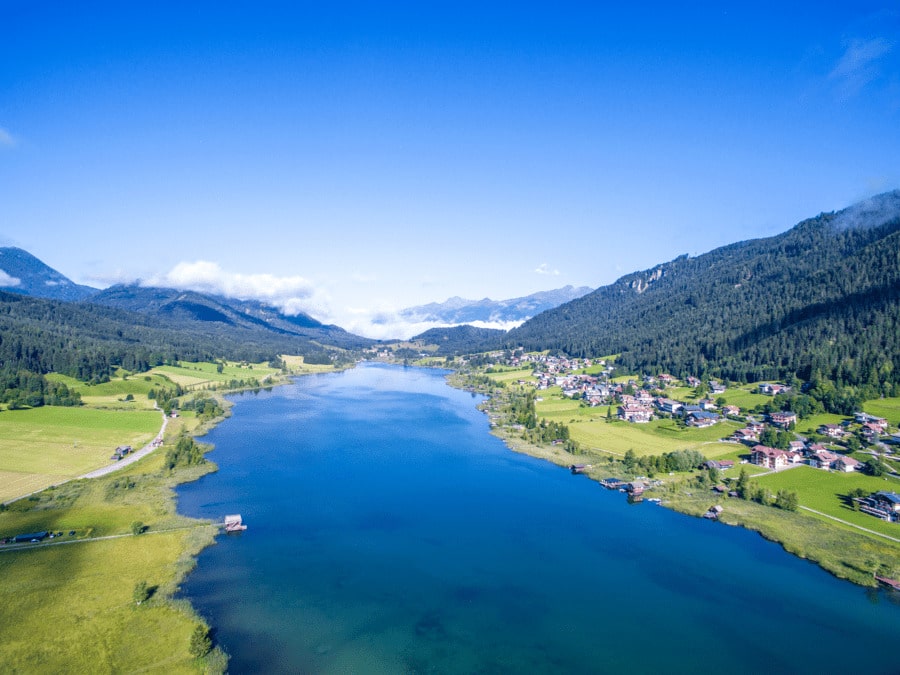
(820, 299)
(189, 307)
(88, 341)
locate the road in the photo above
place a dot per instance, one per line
(134, 456)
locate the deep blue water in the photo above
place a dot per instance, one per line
(389, 532)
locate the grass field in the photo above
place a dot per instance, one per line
(825, 491)
(112, 394)
(70, 608)
(298, 366)
(193, 375)
(42, 446)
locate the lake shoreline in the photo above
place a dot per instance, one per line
(771, 524)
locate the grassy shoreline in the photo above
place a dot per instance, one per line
(90, 587)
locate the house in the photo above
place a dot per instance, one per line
(745, 436)
(866, 418)
(693, 381)
(668, 405)
(716, 387)
(635, 487)
(707, 404)
(846, 464)
(643, 397)
(870, 431)
(720, 464)
(832, 430)
(635, 413)
(797, 446)
(783, 419)
(771, 458)
(773, 389)
(702, 419)
(822, 459)
(731, 410)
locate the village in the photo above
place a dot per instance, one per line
(769, 437)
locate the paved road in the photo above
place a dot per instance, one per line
(134, 456)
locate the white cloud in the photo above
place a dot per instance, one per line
(388, 324)
(6, 280)
(543, 268)
(858, 66)
(291, 294)
(6, 139)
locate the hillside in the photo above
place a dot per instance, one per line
(820, 299)
(175, 307)
(460, 339)
(21, 272)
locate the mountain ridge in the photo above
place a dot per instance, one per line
(24, 273)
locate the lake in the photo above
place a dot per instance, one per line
(389, 532)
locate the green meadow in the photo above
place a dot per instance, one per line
(113, 394)
(44, 446)
(199, 375)
(70, 607)
(827, 491)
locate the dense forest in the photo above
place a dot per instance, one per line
(820, 302)
(89, 342)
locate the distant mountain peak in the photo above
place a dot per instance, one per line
(457, 310)
(21, 272)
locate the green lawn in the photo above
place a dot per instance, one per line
(745, 398)
(813, 422)
(42, 446)
(824, 491)
(512, 375)
(654, 438)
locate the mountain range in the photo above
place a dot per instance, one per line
(458, 310)
(820, 301)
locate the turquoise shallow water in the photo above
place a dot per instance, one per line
(389, 532)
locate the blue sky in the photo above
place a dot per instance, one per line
(351, 160)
